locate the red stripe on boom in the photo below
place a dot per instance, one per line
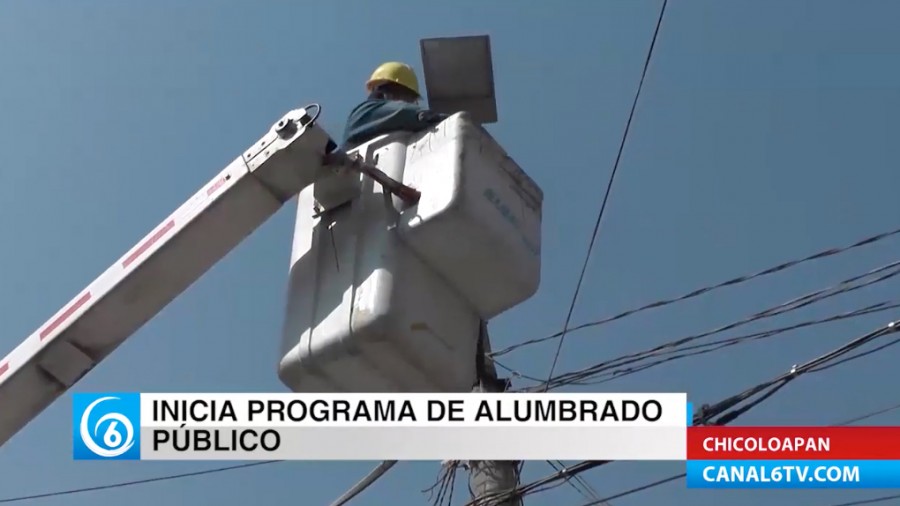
(66, 314)
(4, 368)
(214, 188)
(148, 243)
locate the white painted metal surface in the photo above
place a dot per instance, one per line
(479, 220)
(364, 314)
(163, 264)
(387, 299)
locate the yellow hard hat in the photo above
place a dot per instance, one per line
(394, 72)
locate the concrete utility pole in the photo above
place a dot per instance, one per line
(491, 477)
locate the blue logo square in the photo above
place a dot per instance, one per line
(106, 426)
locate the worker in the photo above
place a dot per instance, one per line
(392, 106)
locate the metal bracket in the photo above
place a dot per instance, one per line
(318, 212)
(354, 162)
(285, 127)
(66, 363)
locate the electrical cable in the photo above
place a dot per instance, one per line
(439, 479)
(857, 356)
(867, 416)
(621, 366)
(707, 412)
(365, 483)
(706, 348)
(445, 493)
(536, 485)
(580, 484)
(583, 376)
(609, 185)
(682, 475)
(704, 290)
(517, 374)
(551, 486)
(451, 483)
(702, 349)
(591, 491)
(631, 364)
(444, 484)
(137, 482)
(575, 485)
(851, 284)
(869, 501)
(636, 490)
(703, 417)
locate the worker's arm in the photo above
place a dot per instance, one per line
(375, 117)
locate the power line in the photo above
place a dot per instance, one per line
(537, 485)
(707, 412)
(682, 475)
(137, 482)
(365, 483)
(704, 290)
(867, 416)
(609, 185)
(727, 410)
(636, 490)
(848, 285)
(444, 484)
(447, 492)
(869, 501)
(580, 484)
(616, 367)
(818, 364)
(866, 353)
(631, 364)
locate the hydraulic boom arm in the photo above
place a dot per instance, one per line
(161, 266)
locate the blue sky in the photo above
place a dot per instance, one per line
(766, 131)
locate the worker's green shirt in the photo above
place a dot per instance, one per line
(375, 117)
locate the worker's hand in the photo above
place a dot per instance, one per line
(432, 117)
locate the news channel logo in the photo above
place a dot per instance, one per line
(106, 426)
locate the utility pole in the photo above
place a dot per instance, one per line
(488, 478)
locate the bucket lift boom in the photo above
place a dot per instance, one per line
(291, 156)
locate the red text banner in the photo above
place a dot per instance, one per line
(793, 443)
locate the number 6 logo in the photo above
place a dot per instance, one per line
(112, 438)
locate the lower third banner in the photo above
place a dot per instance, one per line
(484, 426)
